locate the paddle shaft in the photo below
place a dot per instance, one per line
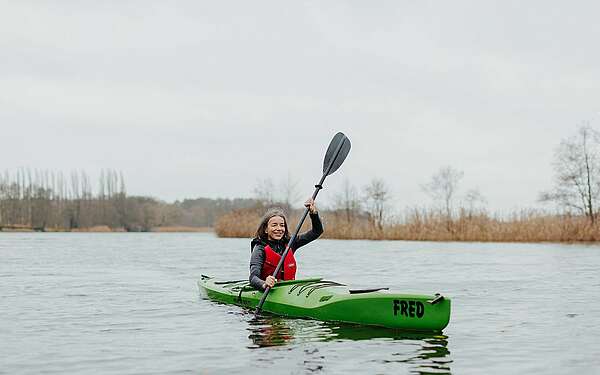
(318, 187)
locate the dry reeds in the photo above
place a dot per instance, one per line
(424, 225)
(243, 223)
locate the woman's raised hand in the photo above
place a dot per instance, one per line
(310, 204)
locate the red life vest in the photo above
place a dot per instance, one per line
(288, 270)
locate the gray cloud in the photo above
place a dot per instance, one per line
(201, 99)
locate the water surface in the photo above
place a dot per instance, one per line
(127, 303)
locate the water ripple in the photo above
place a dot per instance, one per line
(128, 304)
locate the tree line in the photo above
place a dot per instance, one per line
(571, 214)
(575, 191)
(50, 200)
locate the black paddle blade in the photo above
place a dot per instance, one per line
(338, 149)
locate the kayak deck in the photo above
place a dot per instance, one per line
(325, 300)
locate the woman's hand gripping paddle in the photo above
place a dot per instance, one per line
(338, 149)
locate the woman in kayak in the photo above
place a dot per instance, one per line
(269, 244)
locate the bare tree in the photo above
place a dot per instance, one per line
(473, 199)
(347, 202)
(264, 191)
(577, 174)
(377, 196)
(289, 192)
(443, 187)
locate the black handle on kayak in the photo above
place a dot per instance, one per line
(438, 298)
(334, 157)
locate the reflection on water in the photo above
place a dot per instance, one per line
(427, 353)
(270, 331)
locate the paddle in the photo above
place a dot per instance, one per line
(338, 149)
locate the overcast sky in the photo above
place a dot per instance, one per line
(193, 98)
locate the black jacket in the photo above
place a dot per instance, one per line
(258, 249)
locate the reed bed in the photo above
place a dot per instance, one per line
(423, 225)
(243, 223)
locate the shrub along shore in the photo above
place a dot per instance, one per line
(416, 226)
(423, 225)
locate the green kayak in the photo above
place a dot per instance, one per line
(331, 301)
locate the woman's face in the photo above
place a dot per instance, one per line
(275, 228)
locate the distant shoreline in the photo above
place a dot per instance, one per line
(103, 229)
(547, 231)
(179, 229)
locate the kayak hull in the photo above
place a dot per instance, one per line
(330, 301)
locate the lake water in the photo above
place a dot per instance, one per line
(123, 303)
